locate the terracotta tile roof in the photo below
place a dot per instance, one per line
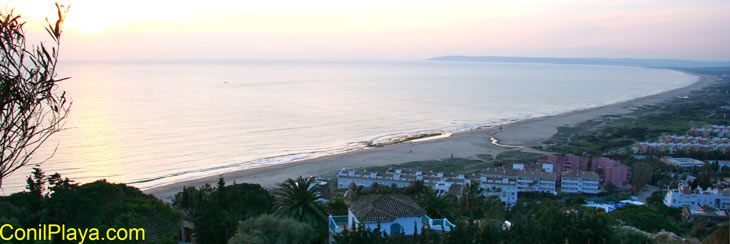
(384, 208)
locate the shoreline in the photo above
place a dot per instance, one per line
(515, 135)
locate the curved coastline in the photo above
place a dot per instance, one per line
(464, 143)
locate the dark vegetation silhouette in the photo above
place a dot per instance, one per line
(33, 108)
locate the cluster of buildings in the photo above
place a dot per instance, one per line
(551, 174)
(686, 197)
(711, 130)
(683, 162)
(606, 169)
(705, 139)
(711, 204)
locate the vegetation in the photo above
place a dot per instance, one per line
(645, 218)
(268, 229)
(32, 108)
(217, 211)
(472, 200)
(99, 204)
(445, 165)
(417, 137)
(542, 224)
(517, 156)
(615, 133)
(298, 199)
(438, 206)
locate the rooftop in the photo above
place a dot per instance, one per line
(580, 174)
(384, 208)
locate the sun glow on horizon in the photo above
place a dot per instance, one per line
(387, 29)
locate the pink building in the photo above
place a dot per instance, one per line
(610, 170)
(613, 171)
(566, 163)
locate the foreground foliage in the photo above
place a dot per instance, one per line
(98, 204)
(298, 199)
(31, 106)
(217, 211)
(268, 229)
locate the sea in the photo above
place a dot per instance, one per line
(151, 123)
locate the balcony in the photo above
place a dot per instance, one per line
(337, 223)
(438, 224)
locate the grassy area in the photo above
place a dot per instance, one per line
(517, 156)
(463, 165)
(485, 157)
(455, 165)
(611, 133)
(406, 139)
(413, 138)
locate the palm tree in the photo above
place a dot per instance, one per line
(437, 205)
(472, 199)
(297, 199)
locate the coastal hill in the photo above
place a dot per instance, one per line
(650, 63)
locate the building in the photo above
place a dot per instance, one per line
(711, 215)
(393, 214)
(536, 181)
(579, 182)
(612, 171)
(504, 183)
(705, 139)
(683, 162)
(367, 179)
(499, 182)
(685, 197)
(564, 163)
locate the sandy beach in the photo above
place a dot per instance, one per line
(520, 134)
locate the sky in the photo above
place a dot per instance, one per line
(377, 29)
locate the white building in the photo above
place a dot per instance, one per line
(579, 182)
(501, 183)
(393, 214)
(685, 197)
(504, 183)
(684, 162)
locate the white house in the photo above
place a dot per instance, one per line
(392, 214)
(685, 197)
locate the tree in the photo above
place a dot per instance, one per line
(437, 206)
(216, 211)
(98, 204)
(361, 235)
(32, 107)
(298, 199)
(267, 229)
(645, 218)
(610, 188)
(472, 200)
(641, 175)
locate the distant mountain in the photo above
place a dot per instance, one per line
(651, 63)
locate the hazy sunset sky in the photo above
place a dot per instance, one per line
(374, 29)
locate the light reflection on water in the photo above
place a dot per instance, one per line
(152, 123)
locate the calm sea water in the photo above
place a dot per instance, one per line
(153, 123)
